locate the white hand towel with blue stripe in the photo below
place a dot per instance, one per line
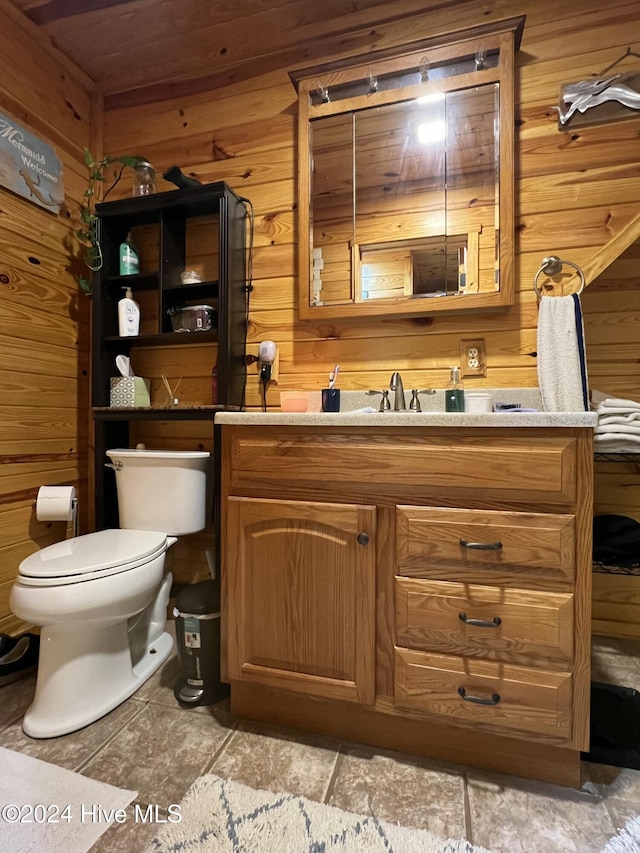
(562, 364)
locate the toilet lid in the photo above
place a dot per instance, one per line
(93, 555)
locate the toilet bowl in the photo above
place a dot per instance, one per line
(101, 599)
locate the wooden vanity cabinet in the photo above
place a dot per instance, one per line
(419, 579)
(301, 596)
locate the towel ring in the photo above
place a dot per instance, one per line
(552, 265)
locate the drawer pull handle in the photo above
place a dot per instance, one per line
(479, 700)
(481, 546)
(362, 539)
(480, 623)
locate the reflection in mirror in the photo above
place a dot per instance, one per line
(387, 179)
(406, 187)
(435, 266)
(332, 208)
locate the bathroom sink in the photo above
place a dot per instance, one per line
(351, 401)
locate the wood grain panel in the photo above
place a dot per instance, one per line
(612, 314)
(526, 468)
(300, 596)
(528, 700)
(616, 605)
(191, 558)
(551, 220)
(20, 516)
(44, 319)
(532, 628)
(524, 545)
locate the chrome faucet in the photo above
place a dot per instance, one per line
(395, 384)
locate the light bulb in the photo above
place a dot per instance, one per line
(322, 91)
(431, 131)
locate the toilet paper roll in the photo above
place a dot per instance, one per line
(55, 503)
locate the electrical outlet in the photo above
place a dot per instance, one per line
(253, 368)
(472, 358)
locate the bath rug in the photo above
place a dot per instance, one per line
(48, 809)
(227, 817)
(627, 840)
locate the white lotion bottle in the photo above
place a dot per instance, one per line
(128, 315)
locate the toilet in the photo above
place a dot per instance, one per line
(101, 599)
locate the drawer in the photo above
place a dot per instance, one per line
(518, 700)
(499, 464)
(484, 544)
(513, 625)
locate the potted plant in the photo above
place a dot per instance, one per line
(87, 232)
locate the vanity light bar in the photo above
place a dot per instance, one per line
(400, 79)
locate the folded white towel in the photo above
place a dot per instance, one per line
(606, 411)
(618, 403)
(562, 368)
(617, 442)
(628, 418)
(618, 429)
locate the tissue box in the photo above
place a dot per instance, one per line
(129, 391)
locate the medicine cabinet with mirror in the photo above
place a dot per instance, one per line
(405, 178)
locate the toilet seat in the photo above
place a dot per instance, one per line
(94, 555)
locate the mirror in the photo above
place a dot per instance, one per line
(406, 179)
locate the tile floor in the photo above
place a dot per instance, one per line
(152, 745)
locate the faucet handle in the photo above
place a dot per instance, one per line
(414, 405)
(385, 405)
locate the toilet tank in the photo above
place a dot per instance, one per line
(165, 490)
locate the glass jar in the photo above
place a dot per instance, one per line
(144, 179)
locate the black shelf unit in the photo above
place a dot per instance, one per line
(169, 213)
(632, 568)
(620, 456)
(607, 569)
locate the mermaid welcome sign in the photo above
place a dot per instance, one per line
(29, 167)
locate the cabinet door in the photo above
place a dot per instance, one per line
(299, 581)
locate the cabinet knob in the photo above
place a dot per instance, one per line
(362, 538)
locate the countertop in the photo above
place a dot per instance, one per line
(411, 419)
(433, 414)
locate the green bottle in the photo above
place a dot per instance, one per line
(129, 258)
(454, 393)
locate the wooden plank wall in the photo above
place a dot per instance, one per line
(575, 190)
(44, 329)
(612, 321)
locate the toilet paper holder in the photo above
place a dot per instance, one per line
(74, 517)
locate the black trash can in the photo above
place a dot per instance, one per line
(197, 614)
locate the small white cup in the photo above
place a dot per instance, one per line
(477, 401)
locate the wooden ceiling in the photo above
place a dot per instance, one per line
(139, 51)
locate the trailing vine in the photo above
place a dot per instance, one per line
(92, 194)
